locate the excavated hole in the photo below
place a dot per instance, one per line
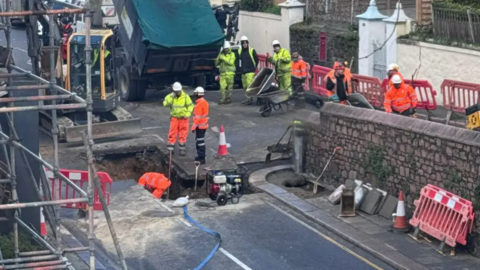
(134, 165)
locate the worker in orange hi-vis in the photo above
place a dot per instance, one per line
(181, 108)
(339, 82)
(200, 123)
(400, 98)
(155, 183)
(392, 69)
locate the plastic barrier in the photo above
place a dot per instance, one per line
(457, 96)
(443, 215)
(80, 178)
(262, 62)
(318, 82)
(370, 88)
(425, 93)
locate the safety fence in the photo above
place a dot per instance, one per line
(443, 215)
(457, 96)
(80, 178)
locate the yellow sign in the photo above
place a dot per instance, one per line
(473, 121)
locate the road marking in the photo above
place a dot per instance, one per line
(164, 206)
(326, 237)
(29, 62)
(157, 127)
(233, 258)
(184, 222)
(18, 49)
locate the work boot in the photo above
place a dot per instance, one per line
(228, 101)
(248, 101)
(221, 102)
(182, 152)
(201, 160)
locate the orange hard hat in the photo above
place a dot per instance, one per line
(338, 65)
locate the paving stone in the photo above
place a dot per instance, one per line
(335, 197)
(350, 183)
(382, 202)
(371, 202)
(389, 207)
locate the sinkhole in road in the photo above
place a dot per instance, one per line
(296, 184)
(128, 166)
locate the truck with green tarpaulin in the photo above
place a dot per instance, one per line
(159, 42)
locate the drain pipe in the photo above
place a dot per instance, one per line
(298, 146)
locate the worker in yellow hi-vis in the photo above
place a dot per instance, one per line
(226, 65)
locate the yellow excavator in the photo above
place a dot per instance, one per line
(110, 120)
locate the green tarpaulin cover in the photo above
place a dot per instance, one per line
(178, 23)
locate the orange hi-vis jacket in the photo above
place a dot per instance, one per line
(156, 183)
(347, 79)
(200, 114)
(401, 99)
(299, 69)
(390, 83)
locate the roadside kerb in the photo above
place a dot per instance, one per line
(362, 240)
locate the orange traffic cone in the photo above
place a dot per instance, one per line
(222, 144)
(401, 224)
(43, 226)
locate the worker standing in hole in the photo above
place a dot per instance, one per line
(400, 98)
(200, 123)
(248, 63)
(299, 77)
(283, 66)
(181, 108)
(226, 65)
(339, 82)
(392, 70)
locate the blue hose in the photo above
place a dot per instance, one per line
(212, 233)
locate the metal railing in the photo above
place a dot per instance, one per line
(456, 25)
(53, 257)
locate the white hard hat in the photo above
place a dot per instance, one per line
(392, 66)
(226, 45)
(199, 90)
(276, 42)
(244, 38)
(177, 86)
(396, 79)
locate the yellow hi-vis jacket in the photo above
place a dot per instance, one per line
(180, 107)
(226, 63)
(282, 61)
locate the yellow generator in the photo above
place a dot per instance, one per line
(110, 120)
(473, 117)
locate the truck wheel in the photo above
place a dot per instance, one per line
(130, 90)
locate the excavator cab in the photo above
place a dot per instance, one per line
(103, 92)
(110, 120)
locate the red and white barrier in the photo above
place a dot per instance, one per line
(443, 215)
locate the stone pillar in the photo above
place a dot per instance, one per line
(292, 12)
(399, 25)
(371, 30)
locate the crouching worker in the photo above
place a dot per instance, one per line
(400, 98)
(155, 183)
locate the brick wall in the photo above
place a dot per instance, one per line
(335, 10)
(394, 152)
(424, 12)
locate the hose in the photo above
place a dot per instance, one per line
(212, 233)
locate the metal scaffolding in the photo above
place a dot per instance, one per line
(53, 255)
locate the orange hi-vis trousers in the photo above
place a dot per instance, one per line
(178, 128)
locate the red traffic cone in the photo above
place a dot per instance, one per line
(43, 226)
(401, 224)
(222, 144)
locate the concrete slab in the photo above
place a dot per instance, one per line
(336, 195)
(371, 202)
(389, 207)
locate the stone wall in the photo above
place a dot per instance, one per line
(342, 43)
(394, 152)
(335, 10)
